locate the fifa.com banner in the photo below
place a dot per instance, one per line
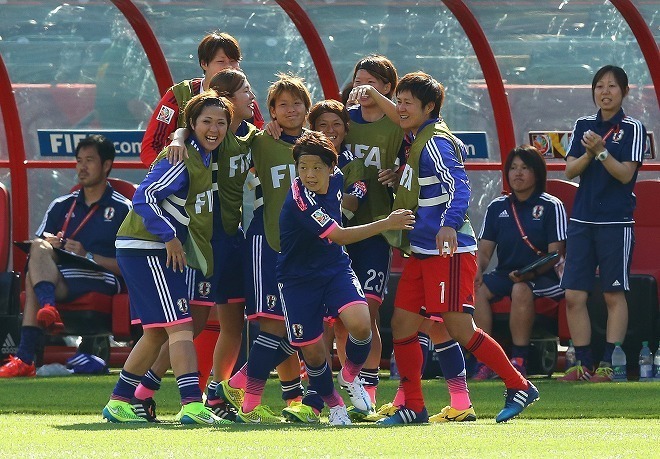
(62, 142)
(554, 144)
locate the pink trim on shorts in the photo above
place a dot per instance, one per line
(352, 303)
(268, 316)
(235, 300)
(307, 343)
(378, 298)
(168, 324)
(325, 233)
(206, 304)
(136, 321)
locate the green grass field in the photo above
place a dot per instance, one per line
(60, 417)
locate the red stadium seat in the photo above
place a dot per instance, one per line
(5, 228)
(564, 190)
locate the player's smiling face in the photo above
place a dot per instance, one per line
(243, 100)
(290, 112)
(314, 173)
(210, 127)
(363, 77)
(411, 113)
(608, 95)
(332, 126)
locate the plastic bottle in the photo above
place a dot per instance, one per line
(656, 365)
(394, 370)
(619, 363)
(570, 356)
(645, 363)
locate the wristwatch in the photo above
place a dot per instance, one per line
(89, 256)
(602, 156)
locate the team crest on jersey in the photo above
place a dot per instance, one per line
(165, 114)
(204, 289)
(297, 330)
(321, 217)
(109, 213)
(617, 136)
(182, 304)
(537, 212)
(271, 302)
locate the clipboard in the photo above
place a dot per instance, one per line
(540, 262)
(66, 257)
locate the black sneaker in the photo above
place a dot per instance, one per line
(146, 409)
(223, 411)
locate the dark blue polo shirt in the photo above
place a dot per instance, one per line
(543, 219)
(602, 199)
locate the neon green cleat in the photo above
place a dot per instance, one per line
(299, 412)
(119, 411)
(196, 413)
(261, 414)
(449, 414)
(357, 415)
(603, 374)
(231, 395)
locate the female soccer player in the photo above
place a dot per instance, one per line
(314, 272)
(172, 208)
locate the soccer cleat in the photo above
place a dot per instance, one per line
(357, 393)
(222, 410)
(230, 394)
(576, 373)
(15, 368)
(196, 413)
(449, 414)
(483, 373)
(517, 400)
(339, 416)
(357, 415)
(120, 411)
(603, 374)
(299, 412)
(385, 411)
(49, 319)
(406, 416)
(261, 414)
(145, 408)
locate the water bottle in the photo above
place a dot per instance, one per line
(619, 363)
(394, 371)
(656, 365)
(570, 356)
(645, 363)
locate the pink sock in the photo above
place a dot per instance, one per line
(400, 397)
(333, 399)
(371, 390)
(143, 393)
(239, 379)
(458, 391)
(350, 370)
(253, 391)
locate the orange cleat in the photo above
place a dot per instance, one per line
(15, 368)
(49, 319)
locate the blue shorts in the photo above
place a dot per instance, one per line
(80, 281)
(158, 295)
(370, 259)
(226, 284)
(262, 298)
(606, 247)
(546, 286)
(307, 302)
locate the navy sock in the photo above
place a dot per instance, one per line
(320, 378)
(30, 337)
(150, 380)
(357, 351)
(607, 354)
(284, 351)
(583, 354)
(291, 389)
(426, 345)
(125, 387)
(312, 398)
(45, 292)
(520, 352)
(262, 356)
(370, 376)
(211, 391)
(450, 358)
(189, 388)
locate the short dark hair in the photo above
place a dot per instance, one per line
(425, 88)
(328, 106)
(214, 41)
(379, 67)
(533, 159)
(619, 75)
(104, 147)
(291, 84)
(317, 144)
(208, 98)
(226, 82)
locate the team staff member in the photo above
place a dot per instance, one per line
(315, 276)
(524, 225)
(606, 151)
(217, 51)
(84, 222)
(172, 210)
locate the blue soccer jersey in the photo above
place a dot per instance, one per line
(305, 222)
(543, 219)
(602, 199)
